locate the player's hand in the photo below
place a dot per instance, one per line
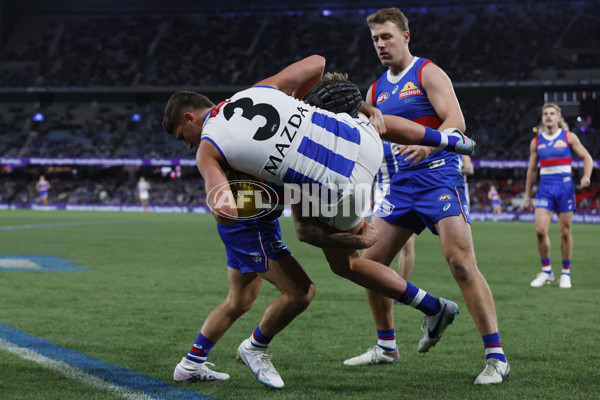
(585, 182)
(376, 118)
(528, 205)
(368, 235)
(415, 152)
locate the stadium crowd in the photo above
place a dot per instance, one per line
(475, 44)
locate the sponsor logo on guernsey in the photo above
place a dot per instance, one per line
(383, 97)
(395, 89)
(286, 137)
(559, 144)
(445, 197)
(447, 206)
(409, 90)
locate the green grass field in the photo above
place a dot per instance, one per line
(153, 278)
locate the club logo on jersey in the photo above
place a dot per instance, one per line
(215, 111)
(559, 144)
(383, 97)
(409, 90)
(445, 197)
(395, 89)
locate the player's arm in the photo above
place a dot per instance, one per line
(531, 173)
(442, 97)
(581, 152)
(298, 78)
(467, 168)
(218, 192)
(373, 113)
(312, 231)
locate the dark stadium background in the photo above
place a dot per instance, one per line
(100, 73)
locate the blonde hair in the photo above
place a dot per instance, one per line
(561, 124)
(393, 15)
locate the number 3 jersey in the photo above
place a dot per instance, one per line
(268, 134)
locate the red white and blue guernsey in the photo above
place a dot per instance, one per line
(433, 188)
(555, 191)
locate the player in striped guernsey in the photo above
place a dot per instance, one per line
(427, 191)
(553, 147)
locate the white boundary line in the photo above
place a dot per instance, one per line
(71, 372)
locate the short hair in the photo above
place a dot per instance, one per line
(178, 104)
(392, 14)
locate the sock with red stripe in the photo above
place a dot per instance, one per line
(566, 270)
(200, 350)
(259, 340)
(546, 267)
(387, 339)
(493, 347)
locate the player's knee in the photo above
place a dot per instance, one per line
(461, 270)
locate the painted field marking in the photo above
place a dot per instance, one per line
(38, 262)
(96, 373)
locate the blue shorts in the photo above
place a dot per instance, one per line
(556, 195)
(43, 193)
(251, 243)
(416, 200)
(495, 203)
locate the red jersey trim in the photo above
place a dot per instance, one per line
(373, 93)
(431, 121)
(556, 161)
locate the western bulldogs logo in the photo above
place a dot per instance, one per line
(445, 197)
(383, 97)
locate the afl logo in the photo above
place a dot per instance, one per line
(383, 97)
(445, 197)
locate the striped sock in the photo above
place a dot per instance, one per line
(420, 299)
(387, 339)
(200, 350)
(259, 340)
(546, 267)
(493, 347)
(566, 270)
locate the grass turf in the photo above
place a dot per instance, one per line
(153, 278)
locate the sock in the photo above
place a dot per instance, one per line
(493, 347)
(546, 267)
(200, 350)
(420, 299)
(259, 340)
(566, 270)
(387, 339)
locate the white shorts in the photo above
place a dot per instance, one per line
(144, 195)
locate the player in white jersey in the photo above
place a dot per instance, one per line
(273, 132)
(143, 189)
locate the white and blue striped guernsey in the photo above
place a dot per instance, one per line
(265, 133)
